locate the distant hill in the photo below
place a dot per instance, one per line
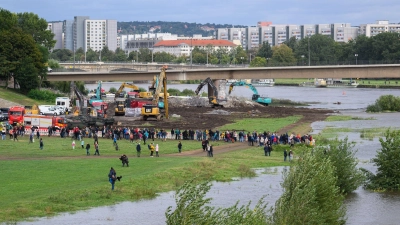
(179, 28)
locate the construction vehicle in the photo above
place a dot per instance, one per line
(86, 116)
(34, 110)
(213, 98)
(120, 106)
(97, 97)
(153, 110)
(125, 85)
(255, 97)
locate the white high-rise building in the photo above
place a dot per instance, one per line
(57, 29)
(100, 33)
(380, 26)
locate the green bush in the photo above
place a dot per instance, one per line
(310, 194)
(341, 154)
(387, 161)
(112, 90)
(187, 92)
(43, 95)
(191, 208)
(385, 103)
(174, 92)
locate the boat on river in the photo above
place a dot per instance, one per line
(341, 83)
(264, 82)
(319, 83)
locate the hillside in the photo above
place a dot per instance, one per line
(179, 28)
(8, 98)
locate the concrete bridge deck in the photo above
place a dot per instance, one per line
(348, 71)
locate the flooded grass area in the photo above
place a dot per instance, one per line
(346, 118)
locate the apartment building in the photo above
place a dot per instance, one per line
(277, 34)
(82, 32)
(184, 47)
(56, 28)
(380, 26)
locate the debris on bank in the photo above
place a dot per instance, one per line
(219, 112)
(232, 102)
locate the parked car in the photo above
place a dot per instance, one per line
(2, 117)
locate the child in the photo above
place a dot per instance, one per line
(180, 147)
(41, 144)
(82, 143)
(157, 151)
(87, 149)
(115, 140)
(73, 144)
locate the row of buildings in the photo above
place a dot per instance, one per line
(82, 32)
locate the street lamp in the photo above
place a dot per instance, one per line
(152, 56)
(74, 55)
(356, 55)
(309, 63)
(267, 61)
(302, 60)
(242, 60)
(191, 58)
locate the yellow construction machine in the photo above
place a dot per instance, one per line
(153, 110)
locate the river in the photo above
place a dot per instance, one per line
(363, 207)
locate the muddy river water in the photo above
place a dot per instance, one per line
(363, 207)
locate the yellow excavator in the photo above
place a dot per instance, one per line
(153, 110)
(125, 85)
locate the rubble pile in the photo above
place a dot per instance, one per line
(234, 102)
(219, 112)
(190, 101)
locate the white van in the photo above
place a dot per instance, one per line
(63, 102)
(49, 110)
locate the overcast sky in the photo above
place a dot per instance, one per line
(236, 12)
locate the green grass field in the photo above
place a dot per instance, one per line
(59, 179)
(11, 95)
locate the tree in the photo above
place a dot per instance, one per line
(120, 55)
(8, 20)
(258, 62)
(310, 194)
(340, 153)
(191, 208)
(385, 46)
(292, 43)
(62, 55)
(322, 49)
(31, 24)
(265, 50)
(283, 54)
(387, 161)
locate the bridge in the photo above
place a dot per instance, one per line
(347, 71)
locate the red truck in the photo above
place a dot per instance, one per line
(16, 115)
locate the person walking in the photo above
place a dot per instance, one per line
(179, 147)
(157, 155)
(96, 147)
(41, 144)
(211, 151)
(112, 177)
(31, 138)
(285, 155)
(138, 149)
(83, 143)
(87, 149)
(151, 149)
(290, 155)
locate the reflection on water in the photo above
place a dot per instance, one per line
(363, 207)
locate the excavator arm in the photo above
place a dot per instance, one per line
(212, 97)
(126, 85)
(241, 83)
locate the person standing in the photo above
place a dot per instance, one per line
(151, 149)
(73, 144)
(157, 155)
(87, 149)
(179, 147)
(266, 150)
(138, 149)
(112, 177)
(172, 133)
(82, 143)
(41, 144)
(31, 138)
(96, 147)
(290, 155)
(211, 151)
(284, 155)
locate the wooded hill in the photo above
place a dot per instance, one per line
(179, 28)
